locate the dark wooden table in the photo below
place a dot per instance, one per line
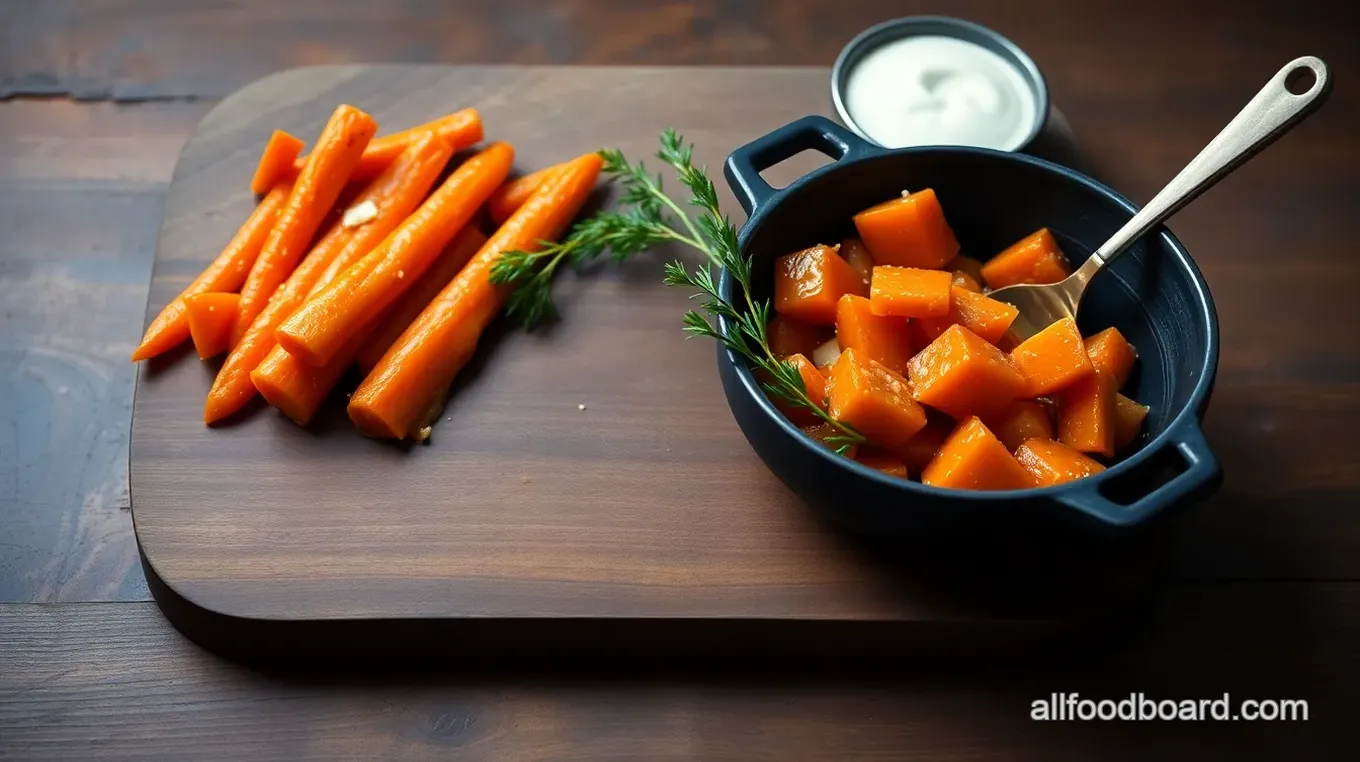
(1262, 596)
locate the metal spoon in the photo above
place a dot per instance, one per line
(1269, 115)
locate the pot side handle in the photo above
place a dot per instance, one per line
(817, 133)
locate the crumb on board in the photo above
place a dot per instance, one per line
(424, 434)
(580, 407)
(525, 479)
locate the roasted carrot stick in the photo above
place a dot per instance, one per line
(211, 317)
(331, 319)
(395, 193)
(226, 273)
(514, 193)
(276, 162)
(400, 315)
(405, 391)
(459, 129)
(327, 170)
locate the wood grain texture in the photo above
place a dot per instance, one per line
(78, 683)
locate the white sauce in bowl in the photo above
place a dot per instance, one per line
(937, 90)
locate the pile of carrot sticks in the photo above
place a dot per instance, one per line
(353, 256)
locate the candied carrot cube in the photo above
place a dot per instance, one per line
(874, 399)
(1053, 358)
(1128, 421)
(962, 375)
(967, 265)
(814, 383)
(910, 231)
(963, 280)
(807, 284)
(918, 450)
(910, 292)
(857, 255)
(980, 314)
(1086, 415)
(877, 337)
(973, 458)
(792, 337)
(1036, 258)
(1019, 421)
(1052, 462)
(882, 461)
(1111, 355)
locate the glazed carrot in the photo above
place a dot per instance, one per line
(814, 383)
(400, 315)
(874, 399)
(808, 283)
(327, 170)
(1052, 462)
(1111, 355)
(857, 255)
(460, 130)
(211, 317)
(405, 391)
(335, 315)
(296, 388)
(921, 448)
(1128, 421)
(226, 273)
(1053, 358)
(276, 162)
(910, 292)
(1019, 421)
(910, 231)
(883, 461)
(791, 337)
(513, 193)
(965, 281)
(1086, 415)
(876, 337)
(824, 431)
(973, 458)
(966, 265)
(1036, 258)
(963, 375)
(980, 314)
(395, 193)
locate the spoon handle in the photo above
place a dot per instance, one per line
(1268, 116)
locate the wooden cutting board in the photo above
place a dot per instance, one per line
(589, 472)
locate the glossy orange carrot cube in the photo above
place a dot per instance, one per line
(920, 449)
(963, 280)
(968, 265)
(808, 283)
(1053, 358)
(1086, 415)
(1021, 420)
(857, 255)
(1036, 258)
(910, 231)
(876, 337)
(874, 399)
(824, 434)
(1052, 462)
(963, 375)
(814, 383)
(910, 292)
(883, 461)
(794, 337)
(1128, 421)
(211, 317)
(980, 314)
(973, 458)
(1111, 355)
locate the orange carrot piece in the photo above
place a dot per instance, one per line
(460, 130)
(962, 375)
(1086, 415)
(882, 461)
(1052, 462)
(876, 337)
(1019, 421)
(211, 317)
(405, 391)
(910, 231)
(808, 283)
(276, 162)
(874, 399)
(1111, 355)
(910, 292)
(857, 255)
(965, 281)
(1053, 358)
(400, 315)
(513, 193)
(225, 274)
(327, 170)
(822, 432)
(1128, 421)
(920, 449)
(791, 337)
(331, 319)
(814, 383)
(973, 458)
(967, 265)
(980, 314)
(395, 193)
(1036, 258)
